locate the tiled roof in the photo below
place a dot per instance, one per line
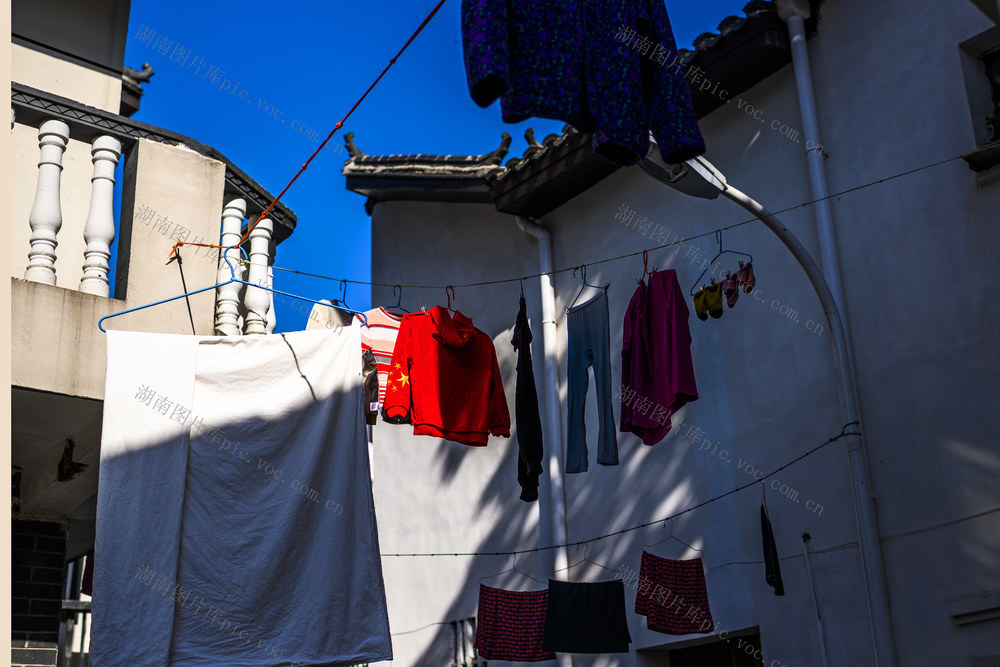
(548, 174)
(431, 166)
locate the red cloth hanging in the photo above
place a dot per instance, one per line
(672, 595)
(445, 380)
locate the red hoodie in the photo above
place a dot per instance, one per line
(445, 379)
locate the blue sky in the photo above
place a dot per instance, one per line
(253, 70)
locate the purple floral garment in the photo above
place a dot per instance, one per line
(566, 60)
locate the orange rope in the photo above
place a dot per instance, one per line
(336, 127)
(203, 245)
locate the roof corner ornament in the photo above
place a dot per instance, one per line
(137, 76)
(351, 148)
(498, 154)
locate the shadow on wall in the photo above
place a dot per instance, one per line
(649, 483)
(236, 541)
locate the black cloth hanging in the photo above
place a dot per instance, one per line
(772, 568)
(529, 423)
(586, 618)
(369, 369)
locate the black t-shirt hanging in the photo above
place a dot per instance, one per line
(772, 568)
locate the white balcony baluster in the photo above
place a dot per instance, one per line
(46, 214)
(272, 319)
(227, 297)
(99, 232)
(257, 301)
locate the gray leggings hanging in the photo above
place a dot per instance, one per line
(590, 345)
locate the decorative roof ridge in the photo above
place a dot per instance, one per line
(535, 150)
(484, 160)
(733, 23)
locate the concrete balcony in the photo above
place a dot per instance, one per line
(75, 214)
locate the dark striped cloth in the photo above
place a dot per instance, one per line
(672, 595)
(510, 625)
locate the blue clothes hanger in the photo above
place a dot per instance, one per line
(399, 298)
(722, 251)
(232, 279)
(583, 273)
(343, 296)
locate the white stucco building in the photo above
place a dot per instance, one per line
(901, 92)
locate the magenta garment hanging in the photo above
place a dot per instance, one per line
(657, 368)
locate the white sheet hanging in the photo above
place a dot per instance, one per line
(235, 516)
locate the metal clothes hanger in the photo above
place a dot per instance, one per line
(671, 536)
(594, 562)
(722, 251)
(514, 569)
(450, 292)
(582, 560)
(583, 273)
(585, 560)
(232, 279)
(399, 299)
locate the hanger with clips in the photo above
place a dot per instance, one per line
(583, 274)
(514, 569)
(722, 251)
(232, 279)
(645, 267)
(671, 536)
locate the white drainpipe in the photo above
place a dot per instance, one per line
(812, 589)
(557, 533)
(553, 414)
(794, 13)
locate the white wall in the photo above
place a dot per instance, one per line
(84, 30)
(436, 495)
(916, 258)
(56, 326)
(66, 79)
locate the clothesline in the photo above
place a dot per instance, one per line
(838, 547)
(626, 255)
(843, 434)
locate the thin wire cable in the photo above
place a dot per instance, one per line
(340, 124)
(429, 625)
(631, 254)
(843, 434)
(839, 547)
